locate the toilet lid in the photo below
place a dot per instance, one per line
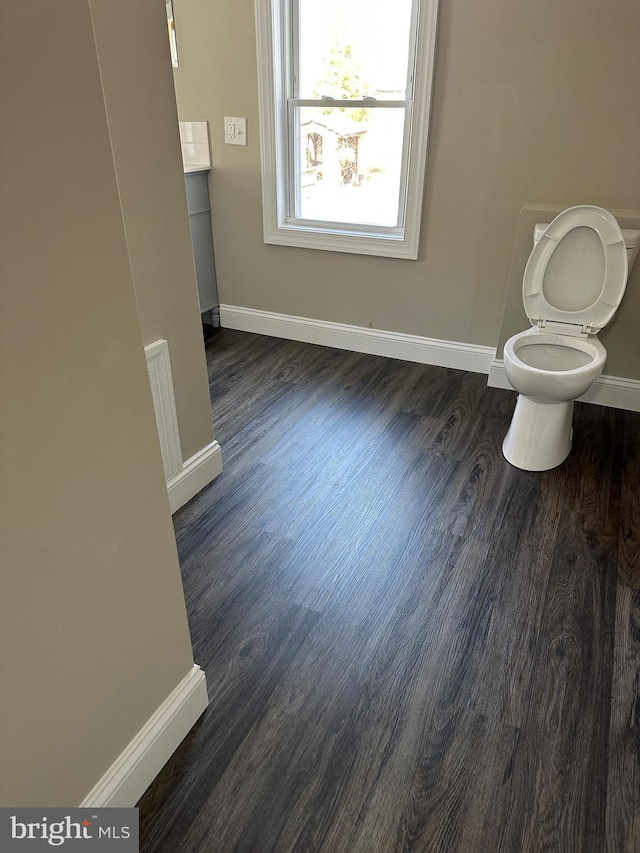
(577, 272)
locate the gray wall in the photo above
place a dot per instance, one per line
(136, 72)
(93, 629)
(533, 103)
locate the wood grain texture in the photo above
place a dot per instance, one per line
(623, 784)
(410, 645)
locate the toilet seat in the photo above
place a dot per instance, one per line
(591, 315)
(534, 369)
(522, 350)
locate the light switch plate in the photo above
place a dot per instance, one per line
(235, 130)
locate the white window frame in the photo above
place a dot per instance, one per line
(274, 73)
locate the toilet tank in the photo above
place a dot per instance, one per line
(631, 238)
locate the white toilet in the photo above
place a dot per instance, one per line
(573, 283)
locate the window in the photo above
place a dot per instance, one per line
(345, 89)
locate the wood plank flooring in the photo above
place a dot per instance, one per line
(409, 644)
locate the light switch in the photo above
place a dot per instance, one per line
(235, 130)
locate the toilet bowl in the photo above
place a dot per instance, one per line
(573, 283)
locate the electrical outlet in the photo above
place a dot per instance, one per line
(235, 130)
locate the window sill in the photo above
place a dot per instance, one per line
(388, 246)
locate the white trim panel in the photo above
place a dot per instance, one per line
(614, 391)
(197, 472)
(159, 368)
(137, 766)
(414, 348)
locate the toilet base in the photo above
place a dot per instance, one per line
(539, 437)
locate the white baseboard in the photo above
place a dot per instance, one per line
(135, 769)
(614, 391)
(359, 339)
(197, 472)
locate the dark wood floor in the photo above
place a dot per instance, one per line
(409, 644)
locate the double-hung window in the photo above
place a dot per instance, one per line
(345, 89)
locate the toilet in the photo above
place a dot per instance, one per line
(573, 283)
